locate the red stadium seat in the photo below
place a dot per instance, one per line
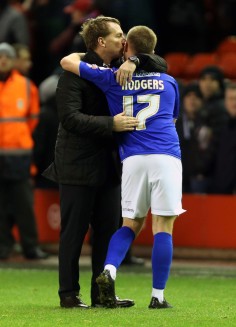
(227, 45)
(227, 62)
(177, 62)
(198, 62)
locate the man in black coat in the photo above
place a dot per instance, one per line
(87, 166)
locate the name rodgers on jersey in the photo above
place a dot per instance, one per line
(145, 84)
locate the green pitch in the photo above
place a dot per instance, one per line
(28, 298)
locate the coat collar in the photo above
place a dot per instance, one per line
(92, 57)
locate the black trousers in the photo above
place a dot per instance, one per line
(82, 206)
(16, 208)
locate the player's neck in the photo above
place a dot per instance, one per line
(128, 54)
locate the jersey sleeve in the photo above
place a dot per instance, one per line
(102, 77)
(176, 106)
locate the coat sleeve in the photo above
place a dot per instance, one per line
(72, 103)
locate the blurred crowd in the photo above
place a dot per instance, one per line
(50, 27)
(207, 132)
(36, 34)
(43, 31)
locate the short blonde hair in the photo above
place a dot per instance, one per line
(94, 28)
(142, 39)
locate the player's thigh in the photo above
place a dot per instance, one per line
(135, 188)
(166, 180)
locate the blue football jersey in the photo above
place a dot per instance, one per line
(152, 98)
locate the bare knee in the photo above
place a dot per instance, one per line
(135, 224)
(163, 224)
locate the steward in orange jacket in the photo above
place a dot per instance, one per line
(19, 110)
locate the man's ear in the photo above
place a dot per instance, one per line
(126, 47)
(101, 42)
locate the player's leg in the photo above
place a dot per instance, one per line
(118, 247)
(166, 194)
(135, 205)
(105, 221)
(121, 242)
(161, 258)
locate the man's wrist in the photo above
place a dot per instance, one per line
(135, 60)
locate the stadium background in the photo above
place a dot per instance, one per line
(191, 34)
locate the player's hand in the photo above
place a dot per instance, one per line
(125, 72)
(122, 123)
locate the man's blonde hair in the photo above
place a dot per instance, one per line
(142, 39)
(94, 28)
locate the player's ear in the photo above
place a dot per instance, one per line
(126, 47)
(102, 42)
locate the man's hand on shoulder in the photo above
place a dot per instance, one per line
(122, 123)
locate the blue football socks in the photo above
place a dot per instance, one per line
(119, 245)
(161, 259)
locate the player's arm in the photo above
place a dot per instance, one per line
(125, 72)
(71, 63)
(177, 102)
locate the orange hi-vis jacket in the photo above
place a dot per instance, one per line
(19, 110)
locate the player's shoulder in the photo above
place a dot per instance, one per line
(168, 78)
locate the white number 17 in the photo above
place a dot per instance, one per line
(153, 103)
